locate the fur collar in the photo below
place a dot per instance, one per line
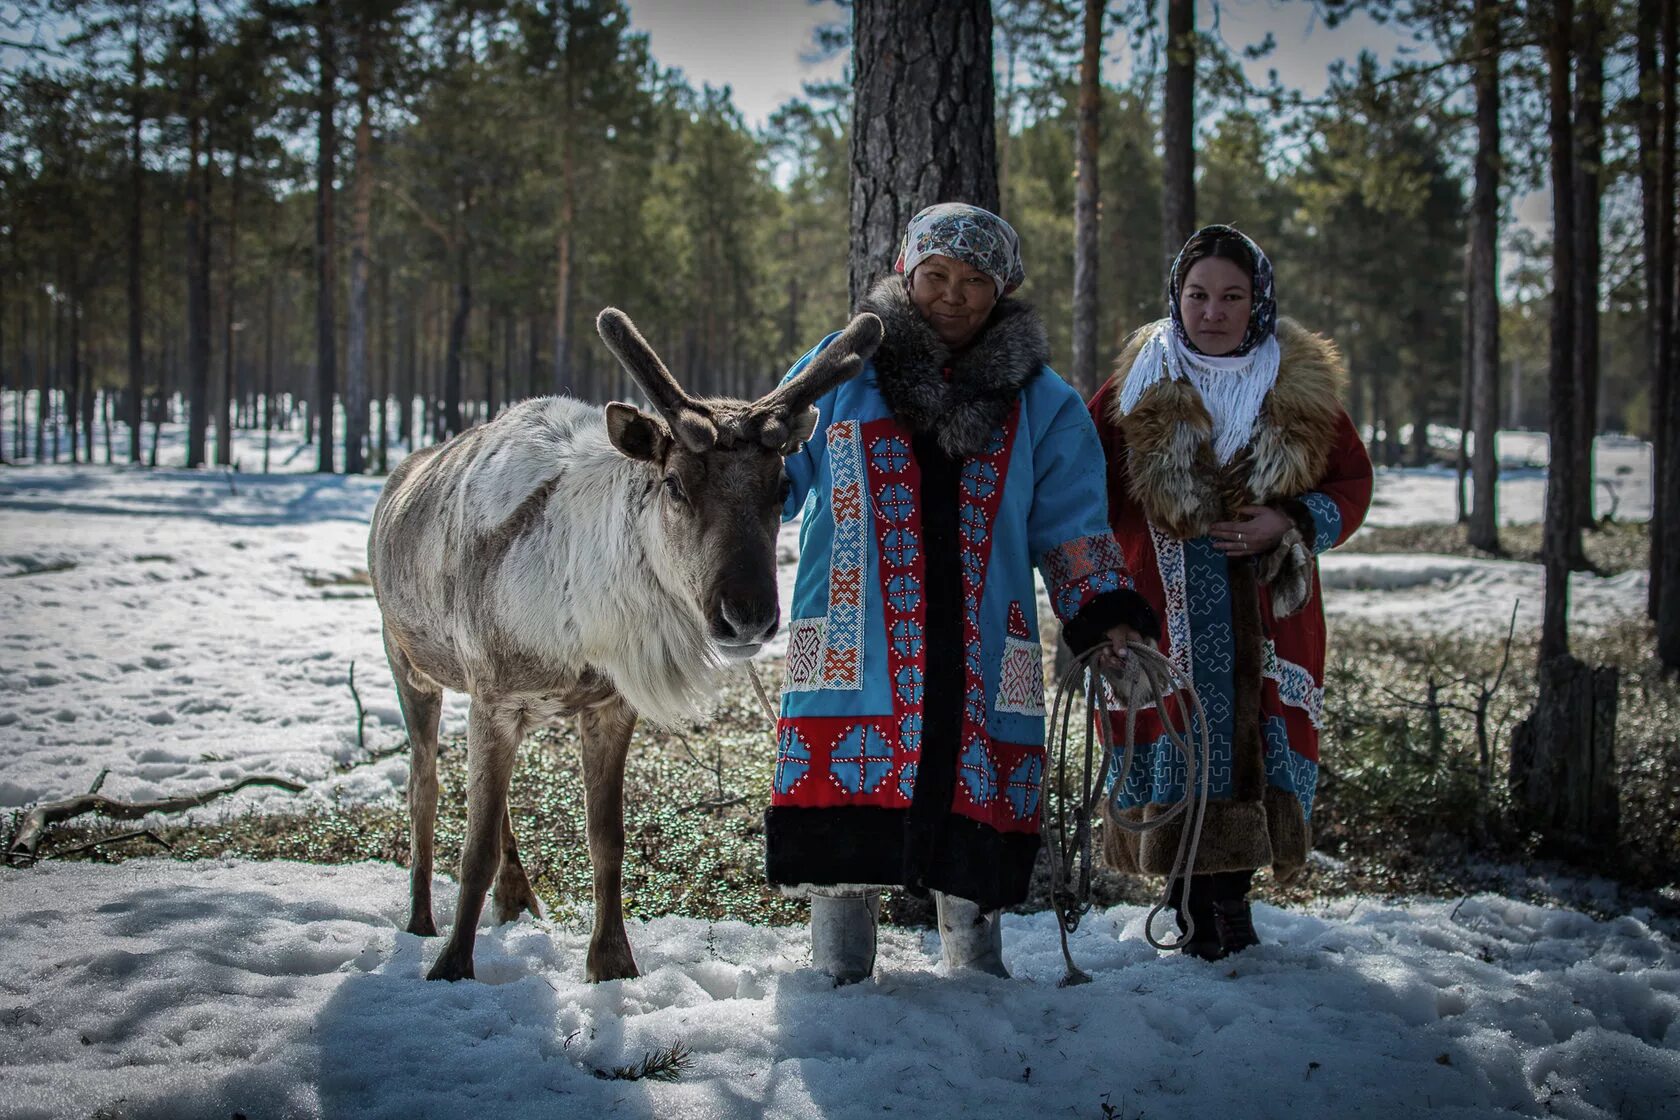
(986, 379)
(1173, 474)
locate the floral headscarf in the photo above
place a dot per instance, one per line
(1206, 242)
(976, 237)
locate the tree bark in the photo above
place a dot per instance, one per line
(198, 279)
(564, 282)
(922, 121)
(326, 277)
(1560, 524)
(1466, 364)
(1589, 149)
(136, 214)
(356, 365)
(1086, 231)
(1665, 528)
(1178, 124)
(451, 419)
(230, 300)
(1656, 167)
(1484, 288)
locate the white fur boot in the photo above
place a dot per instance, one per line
(843, 926)
(969, 938)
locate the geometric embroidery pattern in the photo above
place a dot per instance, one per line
(1295, 685)
(978, 772)
(1021, 679)
(805, 655)
(1169, 559)
(1287, 770)
(793, 759)
(843, 637)
(1327, 519)
(860, 760)
(894, 481)
(1023, 786)
(1077, 571)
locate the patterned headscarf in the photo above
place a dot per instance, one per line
(1219, 241)
(978, 238)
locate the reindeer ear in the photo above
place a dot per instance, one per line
(636, 434)
(800, 427)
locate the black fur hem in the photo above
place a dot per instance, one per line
(867, 844)
(1123, 607)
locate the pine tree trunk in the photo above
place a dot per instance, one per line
(922, 121)
(457, 339)
(326, 275)
(1656, 177)
(383, 444)
(1589, 149)
(356, 365)
(1484, 288)
(1560, 524)
(230, 298)
(198, 280)
(1665, 527)
(1086, 231)
(1178, 125)
(136, 213)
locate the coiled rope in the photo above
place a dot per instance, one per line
(1141, 677)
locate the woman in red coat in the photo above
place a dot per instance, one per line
(1231, 466)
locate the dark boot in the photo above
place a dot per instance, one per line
(1232, 918)
(1204, 941)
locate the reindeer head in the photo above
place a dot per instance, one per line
(721, 483)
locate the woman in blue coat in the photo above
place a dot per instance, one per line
(911, 739)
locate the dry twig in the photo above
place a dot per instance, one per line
(36, 821)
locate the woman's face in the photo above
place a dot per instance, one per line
(1214, 305)
(954, 297)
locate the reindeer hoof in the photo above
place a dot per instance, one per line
(451, 966)
(611, 966)
(511, 904)
(421, 925)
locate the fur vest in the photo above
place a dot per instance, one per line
(1183, 489)
(986, 377)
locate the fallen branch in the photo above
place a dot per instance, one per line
(36, 821)
(117, 839)
(657, 1065)
(361, 716)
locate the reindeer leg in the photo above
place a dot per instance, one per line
(513, 891)
(606, 739)
(421, 709)
(492, 737)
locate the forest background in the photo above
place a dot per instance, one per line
(501, 171)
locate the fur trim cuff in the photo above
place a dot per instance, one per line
(1236, 836)
(1123, 607)
(1287, 568)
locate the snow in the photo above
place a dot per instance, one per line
(186, 628)
(166, 989)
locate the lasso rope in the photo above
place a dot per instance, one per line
(1142, 677)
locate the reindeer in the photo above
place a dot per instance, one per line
(564, 560)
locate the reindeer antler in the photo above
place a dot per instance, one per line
(691, 422)
(839, 361)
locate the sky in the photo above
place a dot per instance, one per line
(762, 49)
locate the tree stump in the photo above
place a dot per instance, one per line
(1563, 759)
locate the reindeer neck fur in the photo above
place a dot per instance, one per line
(1172, 471)
(581, 533)
(986, 378)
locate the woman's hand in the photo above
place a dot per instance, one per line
(1258, 531)
(1118, 639)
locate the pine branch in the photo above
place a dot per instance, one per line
(657, 1065)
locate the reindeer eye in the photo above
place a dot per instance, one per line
(673, 487)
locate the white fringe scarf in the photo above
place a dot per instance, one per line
(1232, 389)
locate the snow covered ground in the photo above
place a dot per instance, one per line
(185, 628)
(161, 989)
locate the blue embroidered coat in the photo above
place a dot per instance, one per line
(911, 739)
